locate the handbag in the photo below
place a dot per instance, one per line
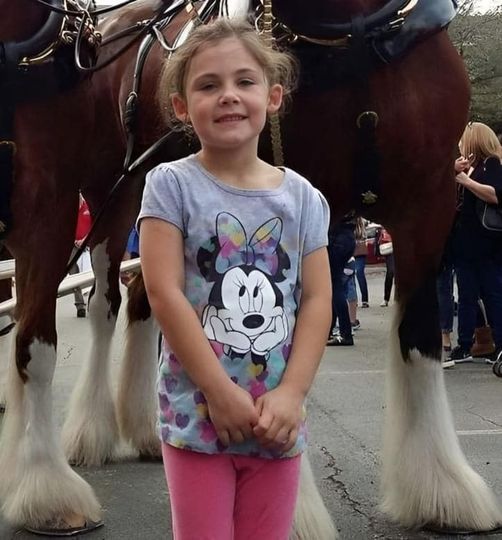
(385, 243)
(386, 248)
(361, 248)
(489, 215)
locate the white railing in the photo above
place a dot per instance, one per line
(69, 283)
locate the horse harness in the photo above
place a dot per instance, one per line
(39, 67)
(53, 57)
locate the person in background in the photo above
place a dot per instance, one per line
(340, 249)
(446, 305)
(84, 223)
(386, 250)
(360, 254)
(351, 292)
(132, 252)
(477, 252)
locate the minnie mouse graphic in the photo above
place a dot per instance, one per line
(245, 309)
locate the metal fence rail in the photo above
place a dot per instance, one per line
(69, 283)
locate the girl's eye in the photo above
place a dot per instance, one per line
(246, 82)
(207, 86)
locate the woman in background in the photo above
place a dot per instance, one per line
(360, 254)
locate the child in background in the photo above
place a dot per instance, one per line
(235, 265)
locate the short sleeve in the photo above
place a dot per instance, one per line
(162, 197)
(317, 223)
(493, 173)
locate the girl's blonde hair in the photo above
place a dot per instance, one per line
(481, 141)
(279, 67)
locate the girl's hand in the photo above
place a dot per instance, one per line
(462, 178)
(462, 164)
(280, 413)
(233, 414)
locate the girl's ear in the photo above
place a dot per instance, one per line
(179, 107)
(274, 98)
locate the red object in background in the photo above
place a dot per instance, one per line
(83, 221)
(372, 230)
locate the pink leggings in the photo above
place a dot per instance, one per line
(230, 497)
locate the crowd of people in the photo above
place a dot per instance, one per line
(473, 255)
(348, 252)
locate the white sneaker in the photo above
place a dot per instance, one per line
(446, 364)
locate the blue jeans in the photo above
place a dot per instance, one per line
(475, 279)
(349, 288)
(361, 277)
(446, 301)
(340, 249)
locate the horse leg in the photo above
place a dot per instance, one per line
(426, 478)
(90, 432)
(312, 520)
(137, 396)
(38, 486)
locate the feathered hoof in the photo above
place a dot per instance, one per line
(88, 448)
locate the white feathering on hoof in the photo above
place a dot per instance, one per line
(312, 520)
(37, 484)
(90, 433)
(426, 478)
(137, 396)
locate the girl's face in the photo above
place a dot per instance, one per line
(227, 96)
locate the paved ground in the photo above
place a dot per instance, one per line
(346, 412)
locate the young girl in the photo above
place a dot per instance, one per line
(236, 269)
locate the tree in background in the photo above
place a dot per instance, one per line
(478, 38)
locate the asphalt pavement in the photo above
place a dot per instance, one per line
(346, 407)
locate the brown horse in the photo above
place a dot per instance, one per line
(363, 126)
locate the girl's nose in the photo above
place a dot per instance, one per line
(228, 96)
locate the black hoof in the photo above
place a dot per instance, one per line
(149, 458)
(436, 529)
(58, 528)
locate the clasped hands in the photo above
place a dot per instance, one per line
(273, 418)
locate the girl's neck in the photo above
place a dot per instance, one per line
(242, 170)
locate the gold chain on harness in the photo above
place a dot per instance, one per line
(275, 126)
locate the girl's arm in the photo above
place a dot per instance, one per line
(281, 409)
(231, 408)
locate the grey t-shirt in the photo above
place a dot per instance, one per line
(243, 255)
